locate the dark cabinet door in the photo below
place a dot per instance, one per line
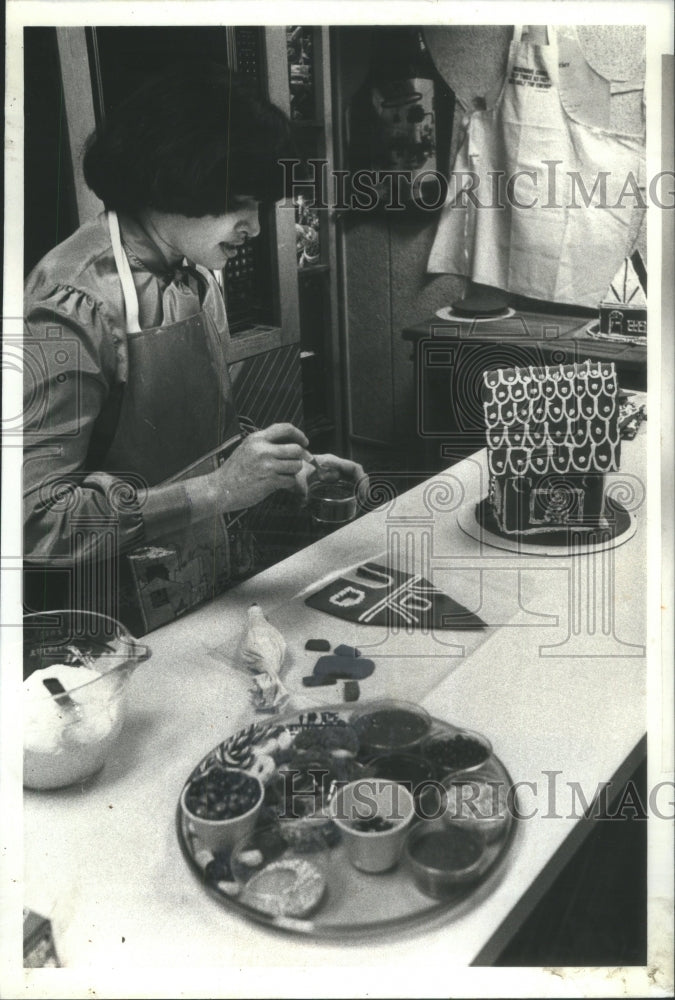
(50, 212)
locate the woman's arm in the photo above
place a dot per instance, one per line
(70, 369)
(66, 389)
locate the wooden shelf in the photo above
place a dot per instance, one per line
(313, 269)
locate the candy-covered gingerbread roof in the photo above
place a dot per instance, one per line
(560, 418)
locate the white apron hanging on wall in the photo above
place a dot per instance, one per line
(515, 216)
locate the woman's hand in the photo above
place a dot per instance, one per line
(330, 469)
(264, 462)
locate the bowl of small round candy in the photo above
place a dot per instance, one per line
(389, 725)
(461, 750)
(76, 668)
(221, 806)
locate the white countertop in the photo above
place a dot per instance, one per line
(561, 695)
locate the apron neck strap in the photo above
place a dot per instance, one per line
(124, 271)
(518, 34)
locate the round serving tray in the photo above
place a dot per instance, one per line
(547, 543)
(354, 903)
(448, 314)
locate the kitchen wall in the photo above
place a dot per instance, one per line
(386, 284)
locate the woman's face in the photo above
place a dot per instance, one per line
(210, 240)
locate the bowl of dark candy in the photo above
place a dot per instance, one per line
(412, 771)
(385, 726)
(221, 806)
(276, 874)
(461, 750)
(76, 668)
(443, 857)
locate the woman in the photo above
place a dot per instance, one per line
(126, 368)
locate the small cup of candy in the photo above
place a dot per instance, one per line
(302, 784)
(221, 806)
(385, 726)
(332, 504)
(477, 800)
(411, 770)
(443, 858)
(373, 816)
(461, 750)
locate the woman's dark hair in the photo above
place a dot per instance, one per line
(192, 141)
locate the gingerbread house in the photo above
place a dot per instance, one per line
(552, 435)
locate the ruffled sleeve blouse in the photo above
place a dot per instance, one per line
(75, 358)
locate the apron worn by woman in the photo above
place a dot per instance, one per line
(516, 215)
(175, 408)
